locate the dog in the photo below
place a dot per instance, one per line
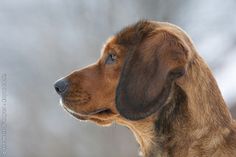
(151, 79)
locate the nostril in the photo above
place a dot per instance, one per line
(57, 89)
(61, 86)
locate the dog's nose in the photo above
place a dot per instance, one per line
(61, 86)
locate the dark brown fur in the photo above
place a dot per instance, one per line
(160, 88)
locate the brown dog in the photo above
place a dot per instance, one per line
(151, 79)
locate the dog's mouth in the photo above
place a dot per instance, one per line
(103, 111)
(98, 112)
(103, 116)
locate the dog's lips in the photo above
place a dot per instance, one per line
(96, 119)
(74, 113)
(100, 111)
(102, 114)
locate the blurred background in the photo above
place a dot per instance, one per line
(43, 40)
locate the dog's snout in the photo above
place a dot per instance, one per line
(61, 86)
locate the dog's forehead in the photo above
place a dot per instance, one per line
(113, 46)
(109, 44)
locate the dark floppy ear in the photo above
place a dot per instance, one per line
(148, 74)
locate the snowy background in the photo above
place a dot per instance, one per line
(43, 40)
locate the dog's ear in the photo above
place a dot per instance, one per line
(148, 74)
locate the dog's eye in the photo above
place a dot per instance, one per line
(111, 59)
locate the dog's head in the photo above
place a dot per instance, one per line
(132, 78)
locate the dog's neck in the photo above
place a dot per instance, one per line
(191, 115)
(144, 132)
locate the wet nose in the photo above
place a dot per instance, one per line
(61, 86)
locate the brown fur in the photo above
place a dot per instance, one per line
(160, 88)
